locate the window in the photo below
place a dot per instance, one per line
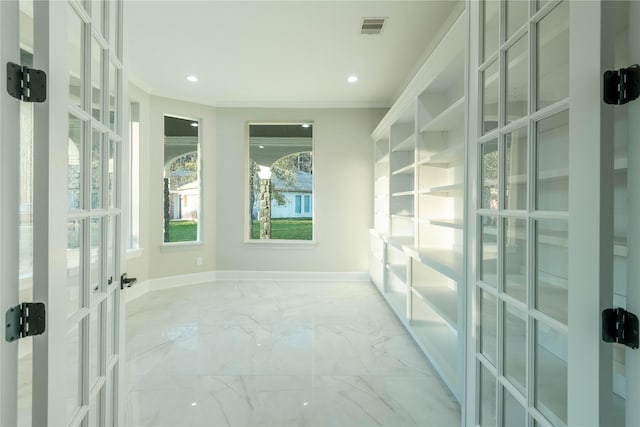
(181, 180)
(134, 178)
(280, 181)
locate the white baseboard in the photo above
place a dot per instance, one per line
(181, 280)
(305, 276)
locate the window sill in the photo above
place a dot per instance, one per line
(283, 244)
(134, 253)
(176, 246)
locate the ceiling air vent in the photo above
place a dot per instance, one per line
(372, 25)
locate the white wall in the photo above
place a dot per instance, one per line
(342, 177)
(342, 174)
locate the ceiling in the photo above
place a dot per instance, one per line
(279, 53)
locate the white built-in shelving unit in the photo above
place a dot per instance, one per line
(417, 243)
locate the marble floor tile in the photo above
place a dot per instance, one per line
(276, 354)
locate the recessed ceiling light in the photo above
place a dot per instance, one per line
(260, 146)
(352, 79)
(192, 78)
(194, 124)
(306, 125)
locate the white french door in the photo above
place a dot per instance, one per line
(73, 373)
(542, 234)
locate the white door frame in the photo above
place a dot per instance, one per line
(632, 357)
(9, 201)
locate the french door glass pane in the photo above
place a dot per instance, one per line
(113, 86)
(97, 10)
(111, 335)
(94, 410)
(515, 258)
(111, 233)
(74, 165)
(73, 368)
(515, 348)
(112, 173)
(552, 163)
(74, 266)
(489, 250)
(108, 412)
(96, 170)
(516, 170)
(96, 79)
(491, 26)
(490, 175)
(553, 56)
(487, 398)
(517, 82)
(551, 374)
(514, 414)
(491, 80)
(94, 346)
(552, 257)
(489, 326)
(95, 258)
(75, 49)
(113, 24)
(517, 12)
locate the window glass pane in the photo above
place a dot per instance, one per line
(551, 374)
(491, 26)
(552, 163)
(490, 175)
(280, 168)
(515, 347)
(96, 79)
(515, 258)
(514, 414)
(552, 258)
(74, 265)
(74, 169)
(489, 250)
(515, 169)
(181, 179)
(488, 325)
(487, 398)
(553, 56)
(96, 170)
(517, 15)
(517, 82)
(75, 34)
(490, 79)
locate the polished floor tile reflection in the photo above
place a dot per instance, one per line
(267, 353)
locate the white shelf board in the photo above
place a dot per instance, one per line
(447, 222)
(442, 300)
(398, 242)
(446, 157)
(451, 118)
(398, 303)
(406, 145)
(403, 193)
(441, 347)
(383, 159)
(443, 190)
(444, 261)
(620, 247)
(405, 170)
(398, 270)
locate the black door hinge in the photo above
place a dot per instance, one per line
(24, 320)
(618, 325)
(26, 84)
(622, 86)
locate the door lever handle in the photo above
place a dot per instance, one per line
(128, 281)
